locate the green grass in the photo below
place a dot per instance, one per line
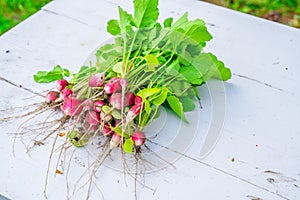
(13, 12)
(283, 11)
(287, 12)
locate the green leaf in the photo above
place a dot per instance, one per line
(118, 67)
(145, 13)
(116, 114)
(168, 22)
(147, 106)
(106, 109)
(177, 107)
(173, 68)
(119, 131)
(161, 97)
(187, 103)
(192, 75)
(197, 31)
(147, 92)
(182, 20)
(193, 50)
(77, 139)
(222, 72)
(179, 87)
(66, 72)
(113, 27)
(152, 62)
(125, 20)
(47, 77)
(209, 66)
(83, 72)
(128, 145)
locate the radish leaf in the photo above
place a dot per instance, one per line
(145, 13)
(127, 146)
(176, 106)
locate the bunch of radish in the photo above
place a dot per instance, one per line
(109, 112)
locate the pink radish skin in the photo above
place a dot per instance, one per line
(66, 93)
(92, 118)
(130, 96)
(90, 127)
(113, 85)
(138, 138)
(116, 101)
(61, 84)
(72, 107)
(133, 112)
(96, 80)
(51, 96)
(115, 140)
(138, 100)
(106, 130)
(88, 104)
(98, 105)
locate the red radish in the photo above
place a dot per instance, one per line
(96, 80)
(92, 118)
(138, 138)
(133, 112)
(106, 130)
(97, 105)
(138, 100)
(123, 82)
(90, 127)
(113, 85)
(72, 107)
(61, 84)
(130, 96)
(87, 104)
(115, 140)
(66, 93)
(116, 101)
(51, 96)
(105, 117)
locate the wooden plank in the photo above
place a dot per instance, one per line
(262, 72)
(55, 40)
(257, 113)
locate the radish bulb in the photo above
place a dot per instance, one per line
(115, 140)
(97, 80)
(88, 104)
(72, 107)
(66, 93)
(113, 85)
(138, 100)
(51, 96)
(138, 138)
(61, 84)
(130, 97)
(106, 130)
(133, 112)
(97, 105)
(92, 118)
(116, 101)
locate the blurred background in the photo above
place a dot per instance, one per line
(287, 12)
(13, 12)
(282, 11)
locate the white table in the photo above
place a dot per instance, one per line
(262, 121)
